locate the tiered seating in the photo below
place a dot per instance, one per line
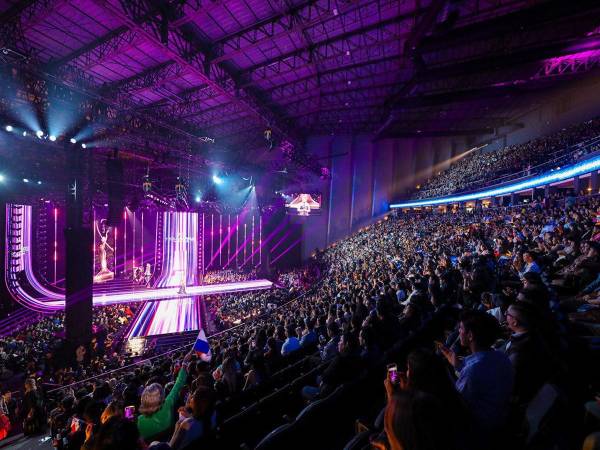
(484, 168)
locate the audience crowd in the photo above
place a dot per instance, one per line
(228, 276)
(515, 275)
(481, 167)
(518, 288)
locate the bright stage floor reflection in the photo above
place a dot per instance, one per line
(173, 292)
(180, 313)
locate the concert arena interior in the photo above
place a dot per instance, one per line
(300, 224)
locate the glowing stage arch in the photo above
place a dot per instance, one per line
(47, 301)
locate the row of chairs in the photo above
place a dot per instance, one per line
(329, 422)
(298, 363)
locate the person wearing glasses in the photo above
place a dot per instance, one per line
(529, 355)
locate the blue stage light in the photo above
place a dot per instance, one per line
(217, 180)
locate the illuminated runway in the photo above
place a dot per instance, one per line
(182, 313)
(49, 301)
(173, 292)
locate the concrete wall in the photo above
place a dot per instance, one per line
(577, 103)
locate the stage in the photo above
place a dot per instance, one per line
(170, 293)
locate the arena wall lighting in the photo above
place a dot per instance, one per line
(549, 177)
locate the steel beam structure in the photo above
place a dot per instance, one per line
(362, 41)
(180, 48)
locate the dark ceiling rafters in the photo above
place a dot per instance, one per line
(235, 67)
(33, 12)
(189, 55)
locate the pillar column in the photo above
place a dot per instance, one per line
(549, 191)
(79, 254)
(576, 185)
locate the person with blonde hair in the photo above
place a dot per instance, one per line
(157, 411)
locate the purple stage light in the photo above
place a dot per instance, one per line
(287, 250)
(55, 241)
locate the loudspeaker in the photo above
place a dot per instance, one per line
(114, 188)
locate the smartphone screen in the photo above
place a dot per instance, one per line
(393, 373)
(129, 412)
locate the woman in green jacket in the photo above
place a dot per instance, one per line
(157, 413)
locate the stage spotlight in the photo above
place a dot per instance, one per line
(73, 141)
(198, 199)
(39, 133)
(39, 182)
(25, 180)
(24, 133)
(9, 128)
(83, 146)
(2, 178)
(52, 138)
(217, 180)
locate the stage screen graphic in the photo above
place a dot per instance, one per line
(180, 249)
(104, 248)
(303, 204)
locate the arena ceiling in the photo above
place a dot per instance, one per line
(166, 74)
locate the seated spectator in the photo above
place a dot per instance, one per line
(227, 379)
(330, 349)
(410, 418)
(92, 419)
(309, 336)
(485, 377)
(156, 410)
(60, 416)
(531, 360)
(342, 367)
(256, 374)
(196, 419)
(529, 265)
(370, 351)
(118, 434)
(291, 344)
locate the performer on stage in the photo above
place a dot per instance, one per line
(147, 275)
(303, 204)
(183, 283)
